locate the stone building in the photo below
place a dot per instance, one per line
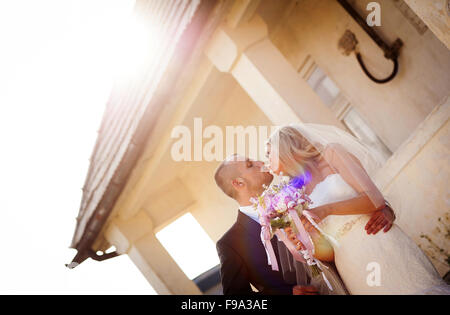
(266, 63)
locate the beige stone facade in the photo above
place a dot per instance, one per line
(251, 69)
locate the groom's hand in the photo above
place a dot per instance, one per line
(304, 290)
(379, 220)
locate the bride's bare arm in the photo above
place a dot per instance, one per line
(369, 198)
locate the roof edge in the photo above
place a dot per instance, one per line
(208, 12)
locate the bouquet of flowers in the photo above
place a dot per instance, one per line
(280, 208)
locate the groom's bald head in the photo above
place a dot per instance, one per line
(241, 178)
(225, 173)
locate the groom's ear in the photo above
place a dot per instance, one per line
(238, 183)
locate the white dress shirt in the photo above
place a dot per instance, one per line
(250, 211)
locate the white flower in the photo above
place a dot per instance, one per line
(281, 206)
(309, 260)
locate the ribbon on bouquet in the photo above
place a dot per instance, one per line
(326, 281)
(323, 274)
(306, 240)
(302, 235)
(331, 239)
(291, 247)
(265, 238)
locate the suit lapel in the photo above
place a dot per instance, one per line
(248, 223)
(253, 229)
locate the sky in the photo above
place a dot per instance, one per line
(178, 242)
(57, 65)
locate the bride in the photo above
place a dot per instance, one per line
(336, 169)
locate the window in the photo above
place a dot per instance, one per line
(189, 245)
(331, 95)
(323, 86)
(355, 123)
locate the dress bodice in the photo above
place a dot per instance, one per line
(334, 189)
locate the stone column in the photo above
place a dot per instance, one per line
(263, 72)
(136, 238)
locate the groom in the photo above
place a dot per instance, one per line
(242, 255)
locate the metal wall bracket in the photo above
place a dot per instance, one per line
(348, 43)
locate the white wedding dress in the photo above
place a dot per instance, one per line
(385, 263)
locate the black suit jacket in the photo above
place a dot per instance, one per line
(243, 261)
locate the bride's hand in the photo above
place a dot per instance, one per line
(307, 225)
(380, 219)
(318, 213)
(323, 250)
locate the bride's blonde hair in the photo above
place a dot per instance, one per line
(293, 150)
